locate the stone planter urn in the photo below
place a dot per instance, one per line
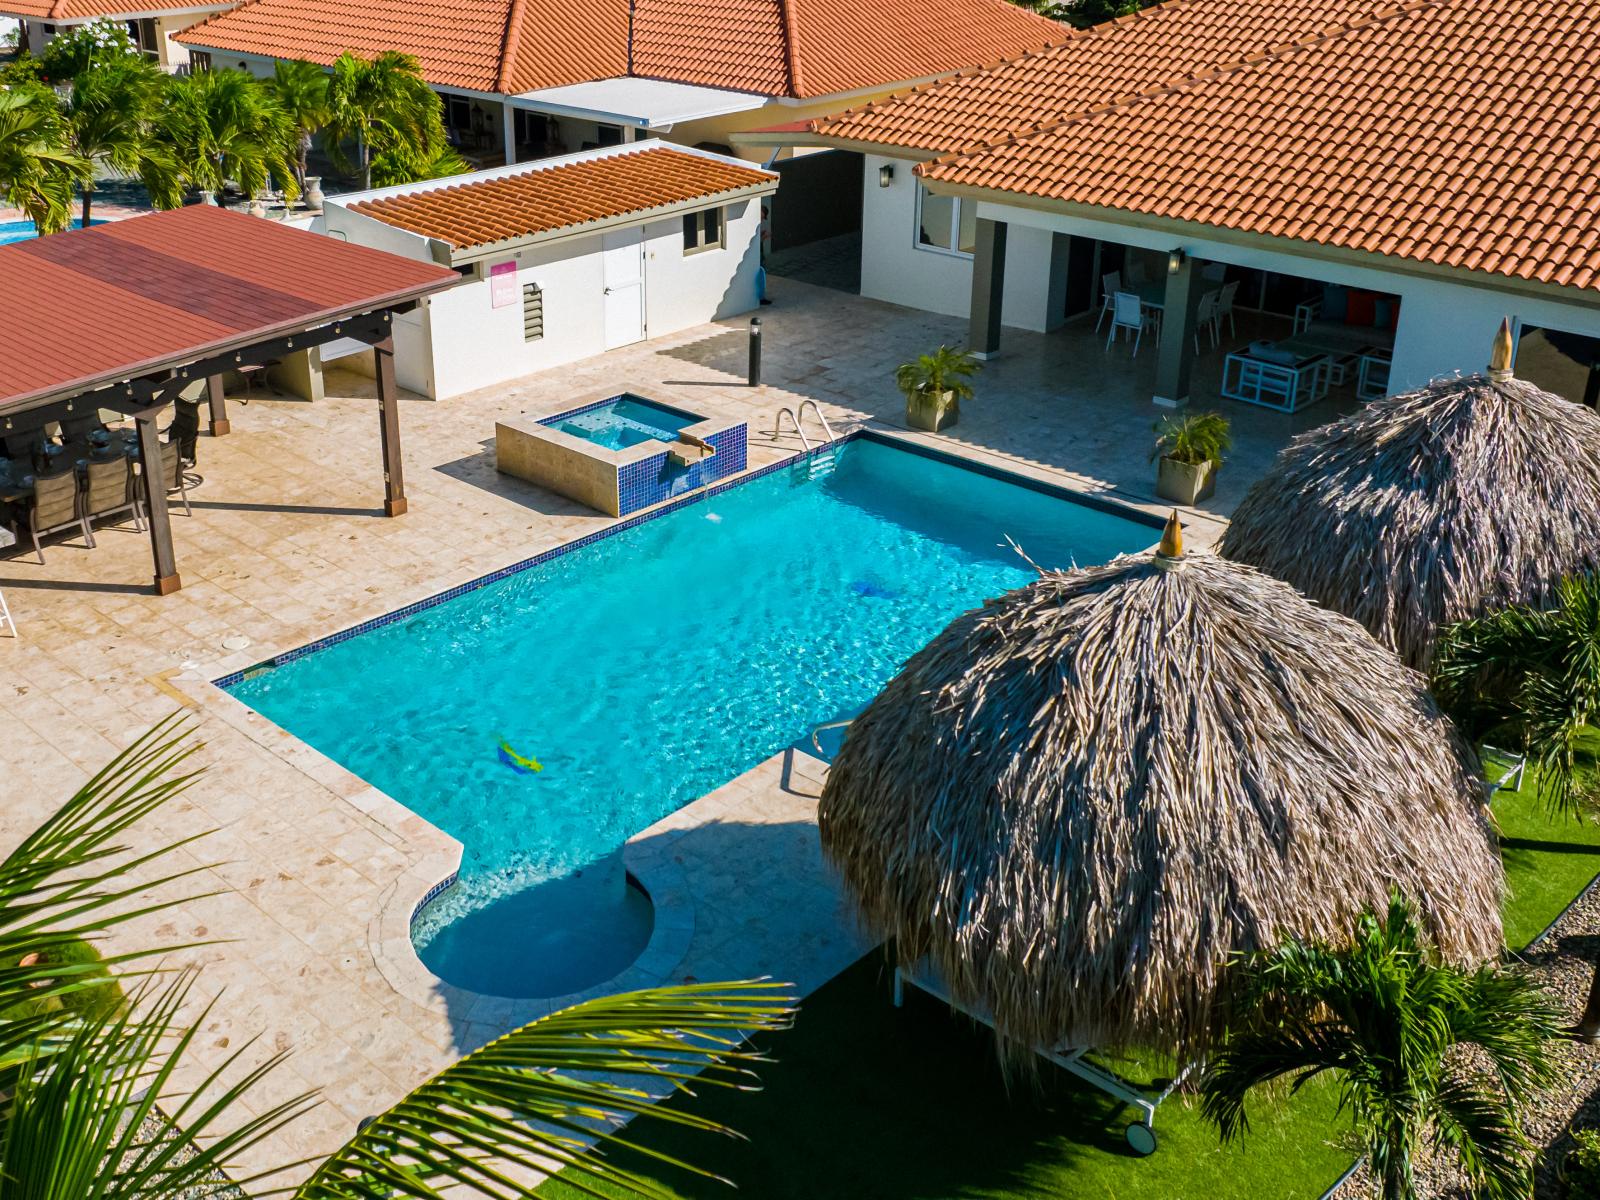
(1185, 483)
(932, 411)
(208, 197)
(313, 195)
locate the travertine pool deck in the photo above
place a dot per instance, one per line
(287, 545)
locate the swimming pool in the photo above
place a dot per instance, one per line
(22, 231)
(624, 421)
(643, 669)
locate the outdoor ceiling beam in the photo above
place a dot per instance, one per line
(371, 327)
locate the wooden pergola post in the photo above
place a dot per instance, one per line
(155, 491)
(394, 486)
(219, 405)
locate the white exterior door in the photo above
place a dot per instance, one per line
(622, 264)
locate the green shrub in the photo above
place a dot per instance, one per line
(100, 998)
(1193, 438)
(70, 54)
(1583, 1166)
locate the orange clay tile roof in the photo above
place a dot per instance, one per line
(797, 48)
(546, 199)
(1452, 132)
(83, 10)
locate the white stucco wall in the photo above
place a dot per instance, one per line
(459, 341)
(895, 268)
(1445, 326)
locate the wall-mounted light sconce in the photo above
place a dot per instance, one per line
(885, 175)
(1175, 260)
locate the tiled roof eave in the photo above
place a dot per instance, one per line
(472, 251)
(1500, 279)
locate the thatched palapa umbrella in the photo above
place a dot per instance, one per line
(1431, 506)
(1079, 801)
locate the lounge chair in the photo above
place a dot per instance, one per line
(110, 490)
(56, 506)
(1140, 1134)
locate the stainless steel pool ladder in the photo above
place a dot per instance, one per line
(816, 734)
(795, 415)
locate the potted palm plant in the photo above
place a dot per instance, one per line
(1189, 449)
(934, 386)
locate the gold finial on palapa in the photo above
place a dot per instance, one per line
(1170, 552)
(1500, 356)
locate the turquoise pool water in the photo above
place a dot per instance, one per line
(644, 670)
(623, 422)
(22, 231)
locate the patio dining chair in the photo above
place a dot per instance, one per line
(1110, 285)
(1205, 317)
(56, 506)
(1225, 309)
(110, 490)
(1129, 313)
(171, 476)
(78, 429)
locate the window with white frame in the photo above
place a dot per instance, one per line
(945, 223)
(702, 231)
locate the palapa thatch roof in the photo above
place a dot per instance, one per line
(1431, 506)
(1080, 800)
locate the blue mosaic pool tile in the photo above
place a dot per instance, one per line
(444, 885)
(657, 478)
(736, 451)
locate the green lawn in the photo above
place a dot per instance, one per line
(1549, 860)
(866, 1102)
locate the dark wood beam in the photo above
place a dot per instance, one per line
(155, 491)
(394, 486)
(219, 406)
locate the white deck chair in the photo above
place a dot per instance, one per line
(1225, 308)
(1140, 1133)
(1128, 312)
(1110, 285)
(1205, 317)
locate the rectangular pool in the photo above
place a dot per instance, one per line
(647, 666)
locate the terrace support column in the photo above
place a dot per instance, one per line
(988, 284)
(219, 406)
(394, 487)
(155, 491)
(1176, 360)
(508, 123)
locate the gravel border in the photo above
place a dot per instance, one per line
(1562, 959)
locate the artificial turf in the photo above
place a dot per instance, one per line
(867, 1102)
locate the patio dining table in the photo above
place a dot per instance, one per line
(16, 475)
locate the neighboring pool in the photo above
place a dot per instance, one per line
(644, 669)
(22, 231)
(623, 422)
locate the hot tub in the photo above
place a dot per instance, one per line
(620, 452)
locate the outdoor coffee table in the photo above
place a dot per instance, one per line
(1286, 386)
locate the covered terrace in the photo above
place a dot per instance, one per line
(124, 319)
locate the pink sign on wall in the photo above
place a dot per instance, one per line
(502, 284)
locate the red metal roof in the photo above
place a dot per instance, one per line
(117, 301)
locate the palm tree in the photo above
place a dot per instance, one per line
(224, 125)
(382, 105)
(1389, 1020)
(37, 169)
(82, 1084)
(1533, 672)
(394, 166)
(302, 92)
(110, 124)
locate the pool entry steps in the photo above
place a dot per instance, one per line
(619, 453)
